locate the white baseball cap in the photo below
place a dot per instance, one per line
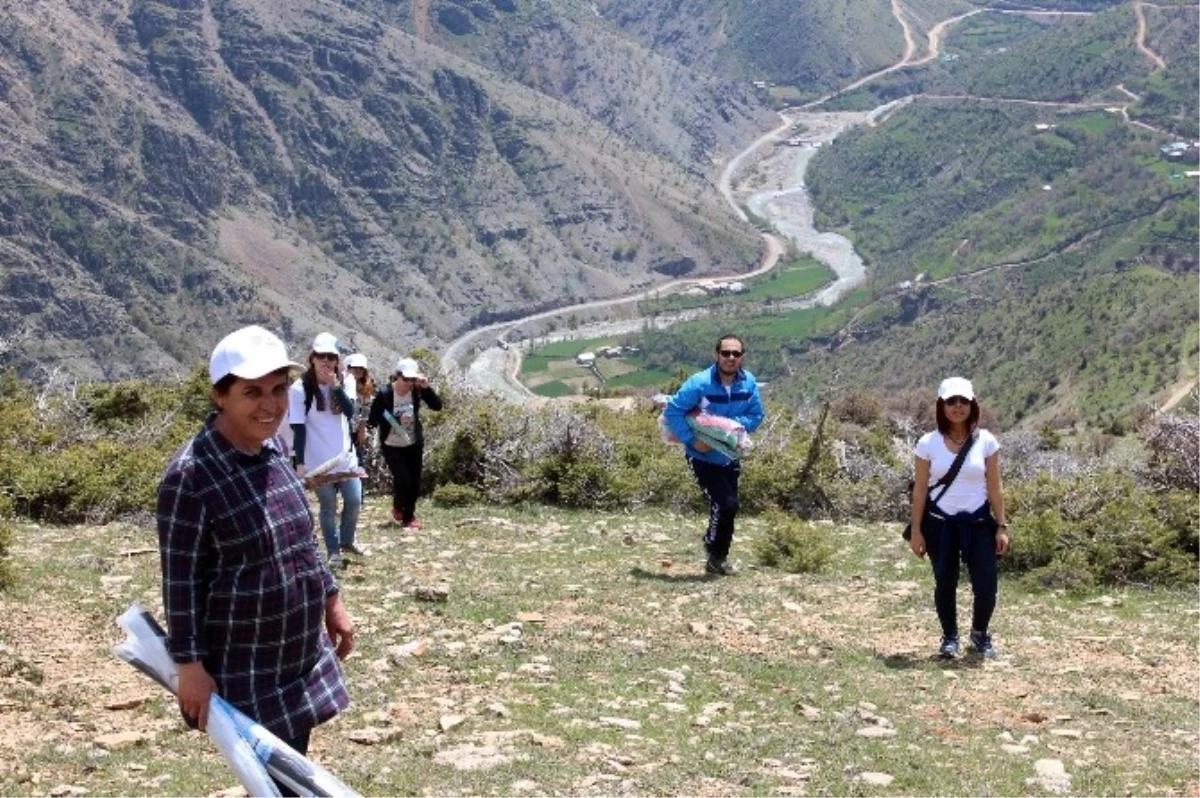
(357, 360)
(249, 353)
(407, 367)
(956, 386)
(326, 344)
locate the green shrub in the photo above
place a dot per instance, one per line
(1070, 573)
(793, 545)
(465, 449)
(572, 480)
(123, 402)
(1105, 524)
(658, 476)
(868, 499)
(67, 459)
(789, 475)
(451, 495)
(96, 481)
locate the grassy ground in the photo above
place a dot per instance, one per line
(587, 654)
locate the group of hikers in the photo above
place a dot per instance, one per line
(331, 410)
(255, 613)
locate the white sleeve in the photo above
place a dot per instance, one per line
(990, 444)
(296, 412)
(923, 446)
(350, 386)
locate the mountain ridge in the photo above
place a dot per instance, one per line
(445, 192)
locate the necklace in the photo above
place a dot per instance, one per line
(956, 441)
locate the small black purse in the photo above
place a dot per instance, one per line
(944, 483)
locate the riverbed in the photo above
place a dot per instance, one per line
(770, 182)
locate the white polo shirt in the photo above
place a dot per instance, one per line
(968, 492)
(326, 434)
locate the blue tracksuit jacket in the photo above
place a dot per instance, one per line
(704, 390)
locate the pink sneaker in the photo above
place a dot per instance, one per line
(413, 524)
(398, 517)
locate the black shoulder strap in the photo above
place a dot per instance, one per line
(955, 467)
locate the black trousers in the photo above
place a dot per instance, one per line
(405, 464)
(720, 486)
(971, 539)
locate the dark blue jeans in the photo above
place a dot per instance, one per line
(970, 537)
(720, 485)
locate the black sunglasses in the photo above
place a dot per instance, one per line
(957, 400)
(731, 353)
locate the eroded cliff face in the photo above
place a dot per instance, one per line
(171, 170)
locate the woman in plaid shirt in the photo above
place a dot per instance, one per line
(253, 613)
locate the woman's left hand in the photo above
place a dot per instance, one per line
(339, 626)
(1002, 542)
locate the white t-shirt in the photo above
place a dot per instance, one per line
(326, 434)
(402, 407)
(968, 492)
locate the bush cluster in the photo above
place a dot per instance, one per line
(793, 545)
(92, 453)
(95, 453)
(1102, 529)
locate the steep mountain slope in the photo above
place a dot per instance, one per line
(1167, 98)
(1035, 239)
(168, 169)
(810, 47)
(566, 51)
(1057, 245)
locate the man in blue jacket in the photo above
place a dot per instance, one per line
(724, 389)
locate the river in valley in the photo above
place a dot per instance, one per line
(768, 178)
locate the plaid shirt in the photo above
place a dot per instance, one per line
(243, 585)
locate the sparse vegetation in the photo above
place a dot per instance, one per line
(1070, 512)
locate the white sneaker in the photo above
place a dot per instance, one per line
(355, 549)
(336, 561)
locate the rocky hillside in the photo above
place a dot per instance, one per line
(171, 169)
(805, 49)
(1047, 246)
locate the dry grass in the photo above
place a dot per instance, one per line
(628, 671)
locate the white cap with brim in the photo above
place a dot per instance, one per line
(407, 367)
(357, 360)
(956, 386)
(248, 353)
(326, 344)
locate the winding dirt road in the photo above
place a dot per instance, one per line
(1140, 13)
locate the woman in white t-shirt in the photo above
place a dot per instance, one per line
(321, 407)
(964, 520)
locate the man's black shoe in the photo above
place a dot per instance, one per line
(719, 567)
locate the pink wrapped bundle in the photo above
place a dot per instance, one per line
(722, 434)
